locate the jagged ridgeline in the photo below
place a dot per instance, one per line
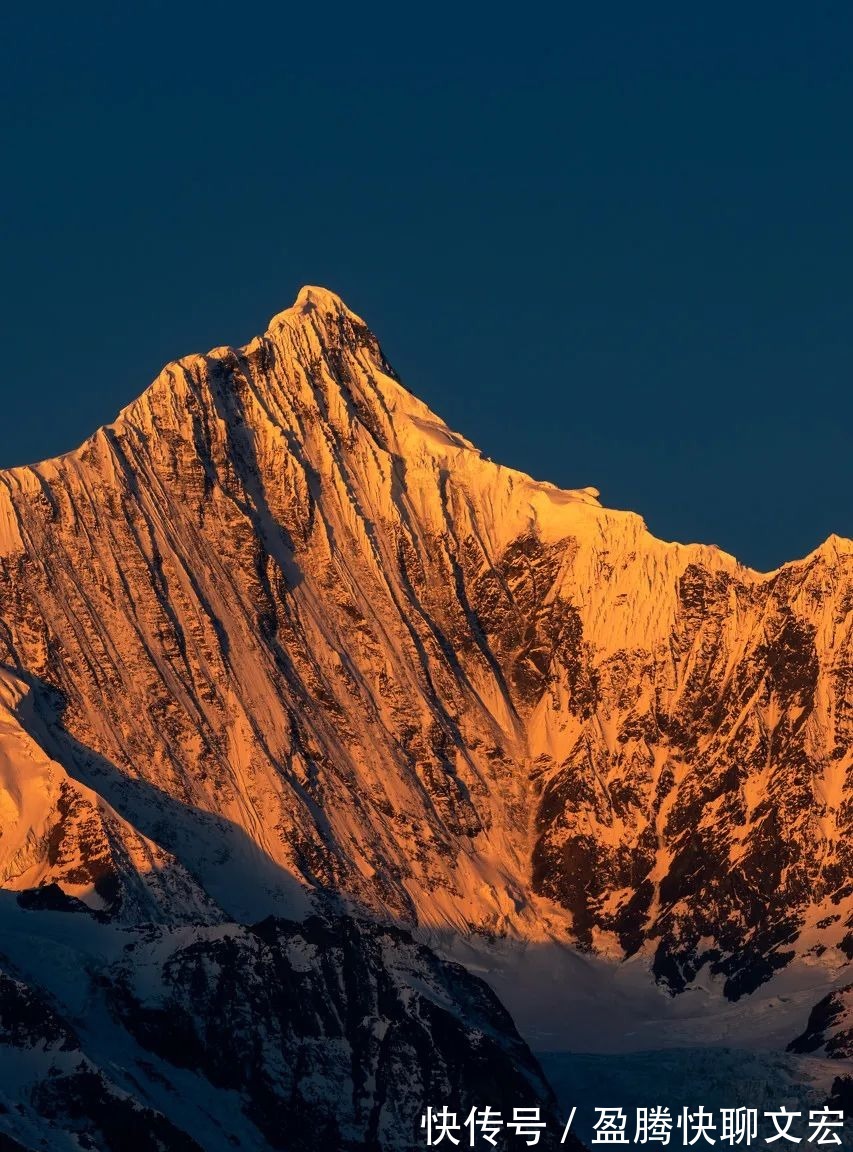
(279, 642)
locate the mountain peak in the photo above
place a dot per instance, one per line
(351, 654)
(312, 299)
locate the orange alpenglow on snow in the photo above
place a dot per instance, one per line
(306, 641)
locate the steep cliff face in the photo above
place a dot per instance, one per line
(706, 798)
(830, 1026)
(64, 842)
(331, 1033)
(302, 636)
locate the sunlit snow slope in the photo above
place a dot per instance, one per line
(284, 632)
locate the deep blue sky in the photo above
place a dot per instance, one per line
(610, 243)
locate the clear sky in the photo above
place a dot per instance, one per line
(611, 243)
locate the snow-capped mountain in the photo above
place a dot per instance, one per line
(278, 641)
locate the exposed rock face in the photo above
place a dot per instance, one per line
(278, 630)
(345, 1030)
(63, 1100)
(61, 840)
(705, 805)
(829, 1032)
(830, 1026)
(333, 1034)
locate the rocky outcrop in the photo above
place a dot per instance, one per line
(829, 1030)
(53, 1096)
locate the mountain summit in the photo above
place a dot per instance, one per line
(278, 642)
(281, 590)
